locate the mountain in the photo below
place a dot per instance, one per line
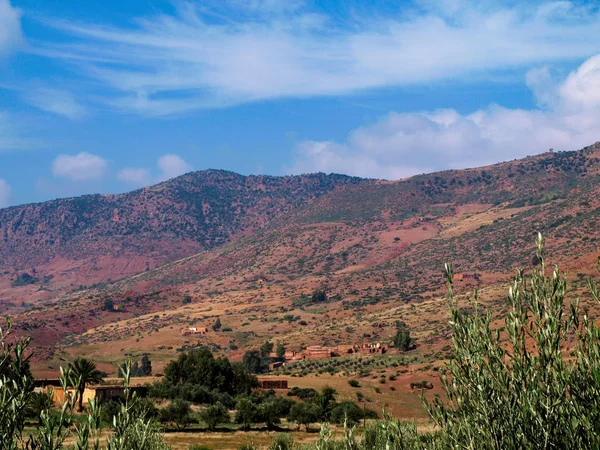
(251, 250)
(85, 240)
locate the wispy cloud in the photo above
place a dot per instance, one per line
(12, 136)
(234, 52)
(56, 101)
(81, 167)
(403, 144)
(11, 34)
(5, 193)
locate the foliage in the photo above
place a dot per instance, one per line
(131, 429)
(199, 377)
(246, 412)
(143, 369)
(23, 279)
(282, 441)
(530, 393)
(346, 412)
(304, 414)
(178, 414)
(215, 415)
(254, 362)
(280, 351)
(85, 372)
(217, 325)
(266, 349)
(402, 339)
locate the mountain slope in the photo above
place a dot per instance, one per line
(84, 240)
(376, 247)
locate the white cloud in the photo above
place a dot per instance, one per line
(135, 176)
(5, 193)
(57, 102)
(172, 166)
(403, 144)
(80, 167)
(169, 166)
(236, 51)
(11, 34)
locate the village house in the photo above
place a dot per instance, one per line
(193, 330)
(101, 393)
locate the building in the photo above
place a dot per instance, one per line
(266, 383)
(193, 330)
(101, 393)
(276, 365)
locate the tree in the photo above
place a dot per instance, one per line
(324, 402)
(145, 366)
(266, 349)
(246, 412)
(215, 415)
(280, 351)
(346, 412)
(109, 304)
(187, 300)
(217, 325)
(253, 362)
(304, 414)
(319, 296)
(84, 372)
(178, 413)
(402, 339)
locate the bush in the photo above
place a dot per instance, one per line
(527, 396)
(354, 383)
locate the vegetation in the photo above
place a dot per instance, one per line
(130, 429)
(85, 372)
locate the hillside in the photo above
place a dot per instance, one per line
(63, 244)
(376, 247)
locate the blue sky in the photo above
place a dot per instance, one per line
(110, 96)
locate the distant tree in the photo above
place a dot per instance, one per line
(324, 402)
(217, 325)
(109, 304)
(84, 372)
(280, 351)
(304, 414)
(348, 412)
(215, 415)
(266, 349)
(178, 413)
(319, 296)
(145, 366)
(253, 362)
(243, 381)
(187, 299)
(402, 339)
(246, 412)
(272, 410)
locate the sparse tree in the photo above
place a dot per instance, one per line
(217, 325)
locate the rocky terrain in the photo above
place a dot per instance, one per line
(251, 250)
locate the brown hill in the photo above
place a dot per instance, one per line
(376, 247)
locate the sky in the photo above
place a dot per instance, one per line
(106, 97)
